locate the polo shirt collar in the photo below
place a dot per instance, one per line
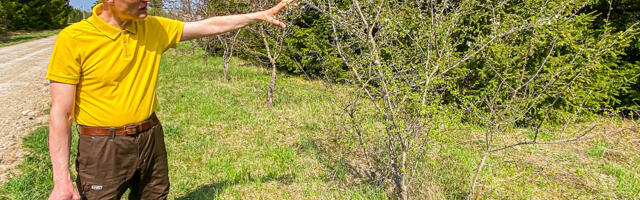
(106, 28)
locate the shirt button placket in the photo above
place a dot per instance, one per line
(124, 41)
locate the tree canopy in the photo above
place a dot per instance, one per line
(35, 14)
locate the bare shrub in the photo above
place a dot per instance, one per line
(410, 62)
(269, 40)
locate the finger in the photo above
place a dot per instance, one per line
(278, 23)
(282, 4)
(290, 2)
(75, 196)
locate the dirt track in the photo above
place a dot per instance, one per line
(24, 95)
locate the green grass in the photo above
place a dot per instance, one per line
(628, 184)
(597, 149)
(224, 143)
(20, 37)
(36, 170)
(34, 182)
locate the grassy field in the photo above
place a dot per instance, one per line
(22, 36)
(224, 143)
(222, 140)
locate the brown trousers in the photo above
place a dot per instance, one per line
(109, 165)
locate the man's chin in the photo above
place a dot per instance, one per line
(142, 16)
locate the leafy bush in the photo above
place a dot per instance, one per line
(581, 60)
(36, 14)
(623, 14)
(3, 21)
(612, 83)
(309, 50)
(76, 15)
(419, 67)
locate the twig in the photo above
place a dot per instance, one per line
(475, 177)
(550, 142)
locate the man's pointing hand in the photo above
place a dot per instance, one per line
(222, 24)
(270, 14)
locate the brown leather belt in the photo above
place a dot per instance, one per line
(128, 129)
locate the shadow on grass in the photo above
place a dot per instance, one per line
(213, 190)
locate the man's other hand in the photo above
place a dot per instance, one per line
(64, 191)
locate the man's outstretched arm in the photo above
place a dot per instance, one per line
(222, 24)
(60, 119)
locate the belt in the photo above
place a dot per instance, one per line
(128, 129)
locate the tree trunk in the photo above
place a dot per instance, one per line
(402, 187)
(475, 177)
(225, 67)
(193, 47)
(229, 46)
(272, 60)
(399, 169)
(272, 86)
(403, 192)
(204, 56)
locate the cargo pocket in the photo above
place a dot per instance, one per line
(86, 165)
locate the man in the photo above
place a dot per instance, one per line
(103, 74)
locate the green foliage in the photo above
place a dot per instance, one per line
(308, 49)
(610, 81)
(77, 15)
(3, 21)
(626, 67)
(500, 65)
(36, 14)
(561, 64)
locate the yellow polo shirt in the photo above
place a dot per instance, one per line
(115, 71)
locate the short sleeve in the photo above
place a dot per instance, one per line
(64, 65)
(173, 30)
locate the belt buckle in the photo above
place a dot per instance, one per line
(131, 129)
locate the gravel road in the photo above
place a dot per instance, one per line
(24, 95)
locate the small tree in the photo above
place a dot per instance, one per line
(544, 78)
(226, 41)
(268, 47)
(189, 10)
(36, 14)
(411, 63)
